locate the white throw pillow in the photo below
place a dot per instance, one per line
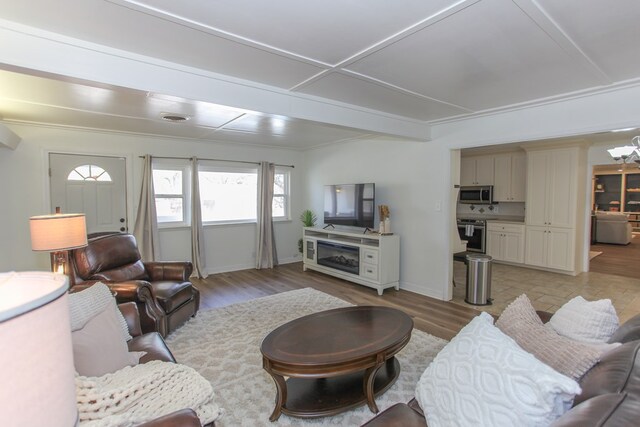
(483, 378)
(100, 347)
(86, 304)
(569, 357)
(588, 321)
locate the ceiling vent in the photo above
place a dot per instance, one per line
(174, 118)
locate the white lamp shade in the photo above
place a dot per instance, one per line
(58, 232)
(36, 357)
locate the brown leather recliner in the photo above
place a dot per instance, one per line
(165, 297)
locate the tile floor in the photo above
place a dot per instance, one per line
(548, 291)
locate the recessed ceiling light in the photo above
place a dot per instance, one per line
(174, 118)
(623, 130)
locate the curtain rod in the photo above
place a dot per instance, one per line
(215, 160)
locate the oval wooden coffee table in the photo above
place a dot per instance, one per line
(335, 359)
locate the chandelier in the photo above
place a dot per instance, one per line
(627, 153)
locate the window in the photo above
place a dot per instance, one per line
(280, 207)
(228, 194)
(89, 173)
(171, 184)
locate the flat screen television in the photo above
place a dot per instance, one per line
(349, 204)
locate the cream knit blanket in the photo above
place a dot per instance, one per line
(140, 393)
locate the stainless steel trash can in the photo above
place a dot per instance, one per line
(478, 279)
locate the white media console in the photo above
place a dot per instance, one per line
(368, 259)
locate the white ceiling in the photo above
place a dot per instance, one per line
(420, 60)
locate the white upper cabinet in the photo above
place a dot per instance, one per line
(510, 177)
(476, 170)
(467, 171)
(552, 187)
(518, 177)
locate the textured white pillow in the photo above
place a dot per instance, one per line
(99, 347)
(569, 357)
(86, 304)
(588, 321)
(483, 378)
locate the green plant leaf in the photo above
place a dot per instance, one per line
(308, 218)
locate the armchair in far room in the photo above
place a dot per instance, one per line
(613, 228)
(162, 291)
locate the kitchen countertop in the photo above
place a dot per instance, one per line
(497, 218)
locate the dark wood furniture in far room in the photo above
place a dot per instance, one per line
(335, 359)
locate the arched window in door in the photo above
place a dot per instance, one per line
(89, 173)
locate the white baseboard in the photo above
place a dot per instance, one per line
(246, 266)
(229, 268)
(407, 286)
(290, 260)
(418, 289)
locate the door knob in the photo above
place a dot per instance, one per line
(122, 228)
(121, 219)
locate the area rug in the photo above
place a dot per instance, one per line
(593, 254)
(224, 346)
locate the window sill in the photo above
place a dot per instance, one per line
(162, 227)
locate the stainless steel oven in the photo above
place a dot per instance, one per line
(474, 231)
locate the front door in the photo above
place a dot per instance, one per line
(93, 185)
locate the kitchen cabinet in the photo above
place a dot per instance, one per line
(476, 170)
(552, 187)
(509, 183)
(505, 241)
(550, 247)
(552, 207)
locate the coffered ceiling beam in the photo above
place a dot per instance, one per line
(46, 52)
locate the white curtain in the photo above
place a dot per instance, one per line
(266, 256)
(198, 255)
(145, 229)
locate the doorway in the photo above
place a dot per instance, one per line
(615, 227)
(93, 185)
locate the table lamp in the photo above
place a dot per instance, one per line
(36, 360)
(58, 233)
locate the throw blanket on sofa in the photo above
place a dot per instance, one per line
(140, 393)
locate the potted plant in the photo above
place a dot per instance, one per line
(308, 219)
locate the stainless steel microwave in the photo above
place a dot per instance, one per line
(476, 195)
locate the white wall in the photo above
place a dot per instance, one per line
(409, 178)
(24, 193)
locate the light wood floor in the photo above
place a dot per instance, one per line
(439, 318)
